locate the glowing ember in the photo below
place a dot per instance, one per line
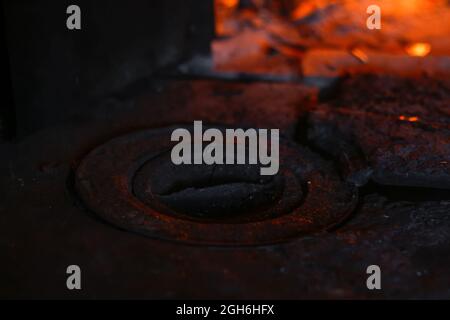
(420, 49)
(410, 119)
(360, 55)
(303, 9)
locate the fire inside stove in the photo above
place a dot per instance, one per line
(294, 38)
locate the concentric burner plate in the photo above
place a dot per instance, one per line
(131, 182)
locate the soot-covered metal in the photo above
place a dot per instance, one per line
(131, 182)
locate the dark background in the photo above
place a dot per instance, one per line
(58, 73)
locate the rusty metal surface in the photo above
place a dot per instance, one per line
(393, 130)
(306, 197)
(44, 228)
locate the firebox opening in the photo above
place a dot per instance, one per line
(293, 39)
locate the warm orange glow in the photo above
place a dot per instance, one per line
(360, 55)
(224, 10)
(329, 37)
(229, 3)
(302, 10)
(410, 119)
(420, 49)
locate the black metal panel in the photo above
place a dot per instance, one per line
(57, 72)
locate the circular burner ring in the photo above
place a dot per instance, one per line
(111, 182)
